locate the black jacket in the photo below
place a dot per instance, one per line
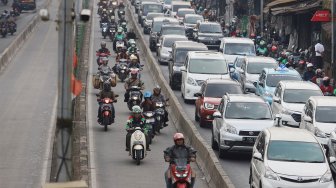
(176, 152)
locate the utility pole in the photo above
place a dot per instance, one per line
(262, 17)
(64, 108)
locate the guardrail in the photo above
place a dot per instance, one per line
(206, 158)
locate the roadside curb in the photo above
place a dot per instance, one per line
(207, 160)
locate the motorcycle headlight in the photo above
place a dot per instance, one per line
(231, 129)
(320, 133)
(269, 174)
(137, 135)
(185, 175)
(191, 81)
(114, 3)
(209, 106)
(327, 177)
(135, 98)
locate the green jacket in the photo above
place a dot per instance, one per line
(131, 123)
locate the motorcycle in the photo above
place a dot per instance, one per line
(136, 69)
(112, 33)
(181, 173)
(122, 70)
(119, 44)
(12, 28)
(100, 56)
(159, 114)
(100, 10)
(4, 31)
(106, 111)
(149, 116)
(138, 145)
(135, 97)
(105, 30)
(121, 12)
(107, 76)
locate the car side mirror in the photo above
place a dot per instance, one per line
(261, 84)
(276, 99)
(332, 159)
(197, 94)
(257, 156)
(217, 115)
(307, 119)
(195, 30)
(158, 45)
(183, 69)
(232, 70)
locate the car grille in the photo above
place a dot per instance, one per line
(249, 133)
(296, 117)
(200, 82)
(299, 179)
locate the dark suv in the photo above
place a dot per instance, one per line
(209, 33)
(156, 28)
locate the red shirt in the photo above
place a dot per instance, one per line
(326, 89)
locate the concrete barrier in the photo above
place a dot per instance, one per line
(206, 158)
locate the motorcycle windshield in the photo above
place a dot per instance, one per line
(135, 93)
(181, 164)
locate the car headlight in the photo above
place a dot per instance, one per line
(269, 174)
(327, 177)
(209, 106)
(191, 81)
(286, 111)
(320, 133)
(231, 129)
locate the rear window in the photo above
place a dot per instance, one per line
(184, 12)
(181, 54)
(256, 68)
(168, 42)
(176, 7)
(218, 90)
(152, 16)
(239, 49)
(158, 25)
(210, 28)
(152, 8)
(208, 66)
(173, 31)
(193, 19)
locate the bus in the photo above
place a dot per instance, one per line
(26, 5)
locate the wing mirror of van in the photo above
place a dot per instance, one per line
(217, 115)
(257, 156)
(307, 119)
(276, 99)
(332, 159)
(232, 70)
(183, 69)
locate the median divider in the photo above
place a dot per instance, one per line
(206, 158)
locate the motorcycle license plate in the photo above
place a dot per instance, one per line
(151, 120)
(249, 139)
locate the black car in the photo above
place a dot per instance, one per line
(156, 28)
(147, 7)
(147, 23)
(179, 53)
(190, 21)
(209, 33)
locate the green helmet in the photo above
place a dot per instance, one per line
(136, 109)
(120, 30)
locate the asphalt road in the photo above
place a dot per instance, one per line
(236, 164)
(110, 164)
(22, 22)
(28, 104)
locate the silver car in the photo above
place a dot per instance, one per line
(165, 47)
(238, 121)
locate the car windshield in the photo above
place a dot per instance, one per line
(158, 25)
(256, 68)
(299, 95)
(247, 110)
(184, 12)
(239, 49)
(193, 19)
(326, 114)
(168, 2)
(152, 16)
(273, 79)
(168, 42)
(210, 28)
(218, 90)
(295, 151)
(208, 66)
(152, 8)
(173, 31)
(176, 7)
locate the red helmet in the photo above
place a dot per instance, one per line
(274, 48)
(302, 62)
(178, 136)
(252, 35)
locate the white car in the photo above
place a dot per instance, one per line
(232, 47)
(238, 121)
(289, 158)
(319, 117)
(290, 98)
(165, 47)
(198, 67)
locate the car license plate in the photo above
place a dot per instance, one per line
(249, 139)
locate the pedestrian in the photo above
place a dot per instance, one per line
(319, 50)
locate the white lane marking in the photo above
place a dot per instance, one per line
(92, 153)
(47, 155)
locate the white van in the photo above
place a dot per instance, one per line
(177, 5)
(200, 66)
(233, 47)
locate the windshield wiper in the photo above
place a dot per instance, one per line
(261, 118)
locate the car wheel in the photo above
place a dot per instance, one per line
(221, 152)
(196, 116)
(214, 144)
(202, 123)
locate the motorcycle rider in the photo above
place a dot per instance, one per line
(119, 36)
(147, 104)
(179, 150)
(121, 6)
(133, 81)
(326, 88)
(262, 49)
(121, 55)
(301, 68)
(103, 48)
(136, 120)
(319, 75)
(309, 74)
(134, 63)
(158, 97)
(132, 49)
(104, 64)
(105, 93)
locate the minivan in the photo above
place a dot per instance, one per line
(232, 47)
